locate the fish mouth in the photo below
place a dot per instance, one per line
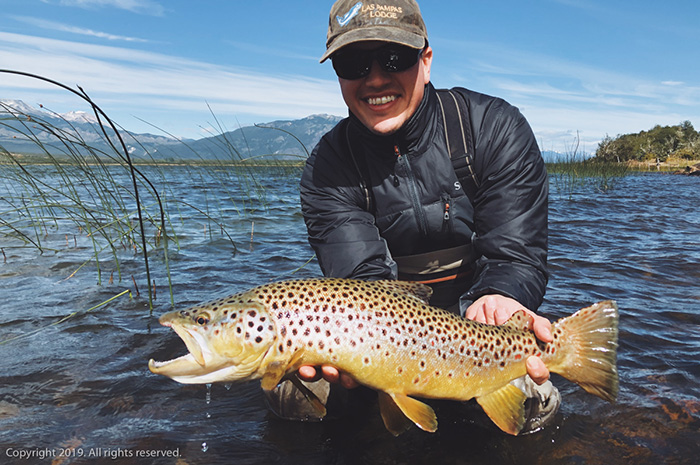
(191, 366)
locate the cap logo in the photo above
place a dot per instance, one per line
(345, 19)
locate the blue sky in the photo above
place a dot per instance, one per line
(589, 66)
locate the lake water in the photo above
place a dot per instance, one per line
(79, 390)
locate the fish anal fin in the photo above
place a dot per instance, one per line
(394, 419)
(506, 408)
(419, 413)
(520, 320)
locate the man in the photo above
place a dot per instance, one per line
(381, 198)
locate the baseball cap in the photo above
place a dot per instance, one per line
(398, 21)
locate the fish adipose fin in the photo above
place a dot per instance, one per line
(588, 342)
(505, 407)
(422, 415)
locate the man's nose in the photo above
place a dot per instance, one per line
(377, 75)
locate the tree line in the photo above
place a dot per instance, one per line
(661, 142)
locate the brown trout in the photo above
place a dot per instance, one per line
(384, 335)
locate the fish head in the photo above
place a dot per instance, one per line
(227, 340)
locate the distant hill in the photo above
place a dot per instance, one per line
(24, 129)
(277, 139)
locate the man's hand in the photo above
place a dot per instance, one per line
(496, 309)
(329, 373)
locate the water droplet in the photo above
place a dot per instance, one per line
(228, 386)
(205, 447)
(208, 397)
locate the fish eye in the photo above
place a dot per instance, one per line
(202, 319)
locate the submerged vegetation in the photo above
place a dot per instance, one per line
(71, 194)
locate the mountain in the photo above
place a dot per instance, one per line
(280, 139)
(25, 129)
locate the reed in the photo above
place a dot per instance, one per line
(109, 204)
(574, 171)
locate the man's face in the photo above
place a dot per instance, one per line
(384, 101)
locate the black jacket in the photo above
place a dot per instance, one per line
(506, 222)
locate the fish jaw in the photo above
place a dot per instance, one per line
(186, 370)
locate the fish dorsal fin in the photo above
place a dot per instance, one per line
(394, 419)
(419, 413)
(413, 289)
(506, 408)
(520, 320)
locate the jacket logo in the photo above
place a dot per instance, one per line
(345, 19)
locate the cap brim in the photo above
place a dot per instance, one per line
(380, 33)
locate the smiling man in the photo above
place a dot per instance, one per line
(444, 187)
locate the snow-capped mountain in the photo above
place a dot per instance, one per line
(17, 119)
(27, 129)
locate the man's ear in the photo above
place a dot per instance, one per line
(427, 59)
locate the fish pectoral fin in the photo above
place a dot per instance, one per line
(309, 395)
(394, 419)
(506, 408)
(274, 372)
(419, 413)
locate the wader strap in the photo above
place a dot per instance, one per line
(460, 142)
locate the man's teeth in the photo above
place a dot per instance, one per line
(381, 100)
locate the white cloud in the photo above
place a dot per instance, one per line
(147, 7)
(56, 26)
(157, 87)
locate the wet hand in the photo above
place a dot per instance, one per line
(329, 373)
(496, 309)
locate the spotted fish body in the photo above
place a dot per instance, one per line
(384, 334)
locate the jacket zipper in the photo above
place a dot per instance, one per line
(413, 188)
(447, 217)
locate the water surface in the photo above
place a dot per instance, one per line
(83, 385)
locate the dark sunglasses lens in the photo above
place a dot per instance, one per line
(352, 64)
(397, 59)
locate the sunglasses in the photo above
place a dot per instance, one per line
(356, 63)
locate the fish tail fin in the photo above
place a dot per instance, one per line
(585, 348)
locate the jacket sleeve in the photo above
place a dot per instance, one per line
(341, 232)
(511, 210)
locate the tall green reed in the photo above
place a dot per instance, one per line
(575, 171)
(99, 196)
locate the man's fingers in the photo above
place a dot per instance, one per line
(537, 370)
(543, 329)
(330, 373)
(308, 373)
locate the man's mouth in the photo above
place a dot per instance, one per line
(381, 100)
